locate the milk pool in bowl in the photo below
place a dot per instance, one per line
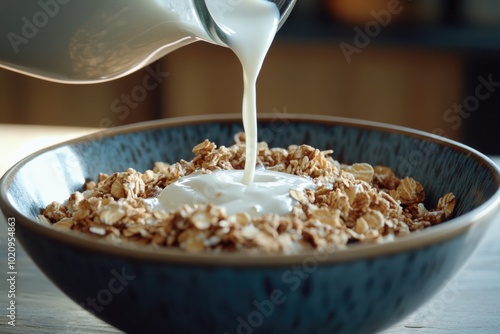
(269, 192)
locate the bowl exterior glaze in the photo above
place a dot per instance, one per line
(359, 290)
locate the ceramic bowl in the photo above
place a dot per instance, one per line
(362, 289)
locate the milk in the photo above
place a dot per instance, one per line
(268, 193)
(250, 27)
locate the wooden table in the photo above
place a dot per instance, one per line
(468, 304)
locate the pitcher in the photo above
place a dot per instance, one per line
(89, 41)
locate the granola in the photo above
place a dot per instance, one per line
(351, 203)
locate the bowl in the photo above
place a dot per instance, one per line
(361, 289)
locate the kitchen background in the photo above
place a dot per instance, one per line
(432, 65)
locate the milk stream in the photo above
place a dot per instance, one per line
(250, 26)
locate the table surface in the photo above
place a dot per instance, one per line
(469, 303)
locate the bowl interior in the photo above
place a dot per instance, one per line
(440, 165)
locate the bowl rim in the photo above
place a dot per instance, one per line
(421, 239)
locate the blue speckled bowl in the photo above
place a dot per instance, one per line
(362, 289)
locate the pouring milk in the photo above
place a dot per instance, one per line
(250, 27)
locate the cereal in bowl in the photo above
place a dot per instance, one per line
(348, 204)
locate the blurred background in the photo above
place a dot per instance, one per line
(432, 65)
